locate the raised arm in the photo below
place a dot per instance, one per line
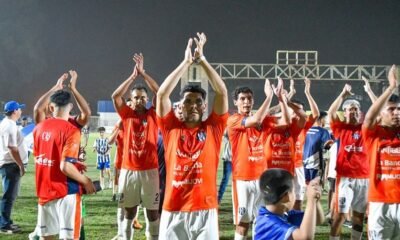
(83, 106)
(163, 106)
(280, 93)
(40, 108)
(292, 90)
(151, 83)
(117, 95)
(221, 93)
(114, 133)
(368, 90)
(332, 112)
(310, 99)
(258, 117)
(377, 106)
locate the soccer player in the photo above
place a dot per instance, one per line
(246, 133)
(382, 140)
(299, 176)
(276, 220)
(191, 151)
(102, 147)
(138, 181)
(58, 178)
(352, 165)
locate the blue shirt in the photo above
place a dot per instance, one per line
(316, 138)
(271, 226)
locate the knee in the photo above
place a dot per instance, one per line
(152, 215)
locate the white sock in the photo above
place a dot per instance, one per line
(334, 238)
(120, 219)
(152, 229)
(356, 235)
(127, 230)
(239, 237)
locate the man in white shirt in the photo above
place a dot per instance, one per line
(11, 166)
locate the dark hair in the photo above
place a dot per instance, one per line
(394, 98)
(101, 129)
(193, 89)
(297, 101)
(322, 114)
(239, 90)
(60, 98)
(274, 184)
(9, 113)
(139, 87)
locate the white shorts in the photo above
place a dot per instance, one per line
(139, 187)
(246, 200)
(61, 216)
(199, 225)
(384, 221)
(299, 183)
(352, 193)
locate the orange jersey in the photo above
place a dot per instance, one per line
(280, 146)
(191, 158)
(298, 156)
(248, 159)
(352, 155)
(55, 140)
(140, 139)
(119, 141)
(383, 146)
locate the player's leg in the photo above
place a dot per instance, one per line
(244, 215)
(150, 201)
(359, 206)
(344, 198)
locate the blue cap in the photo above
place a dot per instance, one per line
(12, 106)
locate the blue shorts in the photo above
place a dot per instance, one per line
(103, 165)
(310, 174)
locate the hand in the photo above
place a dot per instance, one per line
(307, 86)
(188, 52)
(291, 87)
(139, 60)
(134, 73)
(267, 88)
(347, 90)
(88, 185)
(314, 189)
(392, 77)
(200, 42)
(367, 86)
(59, 85)
(278, 90)
(21, 170)
(81, 166)
(72, 82)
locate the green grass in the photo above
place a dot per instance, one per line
(100, 222)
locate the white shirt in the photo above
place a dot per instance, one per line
(10, 136)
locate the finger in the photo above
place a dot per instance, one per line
(196, 41)
(190, 41)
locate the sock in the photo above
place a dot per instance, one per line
(120, 219)
(127, 230)
(152, 229)
(239, 237)
(334, 238)
(356, 235)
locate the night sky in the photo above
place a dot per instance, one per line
(41, 39)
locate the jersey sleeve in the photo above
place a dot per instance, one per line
(335, 127)
(124, 111)
(236, 121)
(71, 147)
(166, 123)
(325, 137)
(219, 123)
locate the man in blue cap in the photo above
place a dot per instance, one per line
(11, 166)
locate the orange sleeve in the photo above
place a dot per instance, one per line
(335, 127)
(124, 111)
(219, 123)
(71, 148)
(236, 121)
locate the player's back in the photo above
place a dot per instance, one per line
(55, 140)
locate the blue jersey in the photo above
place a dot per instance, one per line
(271, 226)
(316, 138)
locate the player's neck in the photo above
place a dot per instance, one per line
(278, 208)
(61, 115)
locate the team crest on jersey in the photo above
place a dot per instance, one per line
(398, 135)
(46, 136)
(356, 135)
(144, 122)
(287, 134)
(201, 136)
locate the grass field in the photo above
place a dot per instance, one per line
(100, 222)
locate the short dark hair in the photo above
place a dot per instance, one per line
(139, 87)
(297, 101)
(394, 98)
(193, 89)
(101, 129)
(60, 98)
(241, 89)
(322, 114)
(9, 113)
(274, 184)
